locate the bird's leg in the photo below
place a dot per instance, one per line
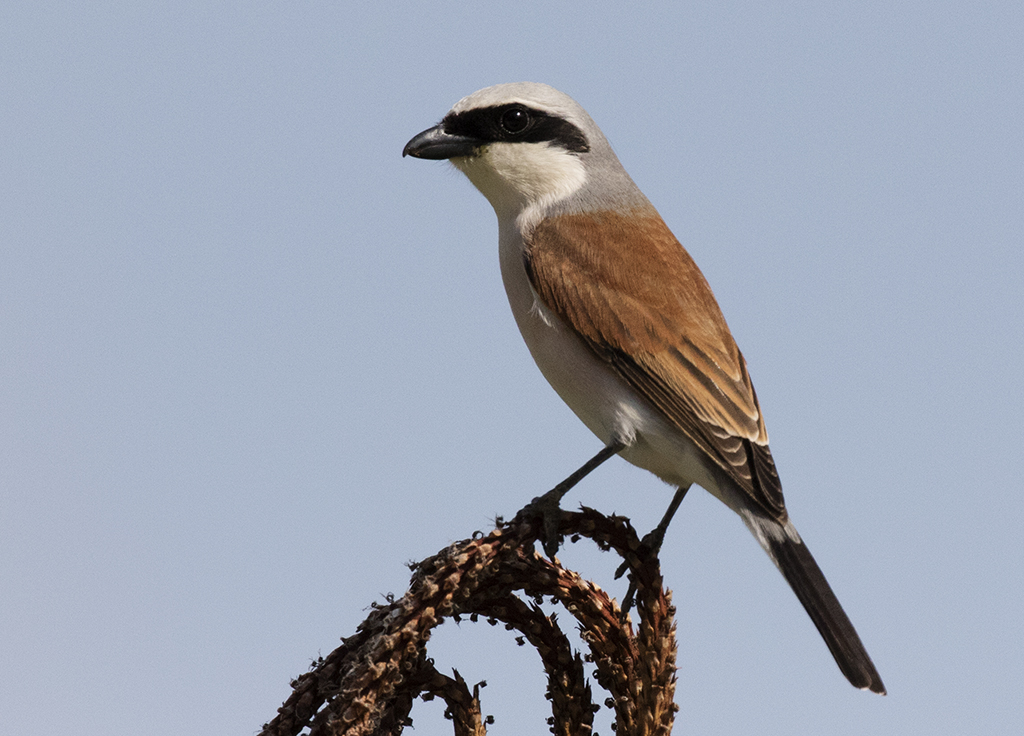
(653, 542)
(547, 506)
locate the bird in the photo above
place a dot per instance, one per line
(623, 324)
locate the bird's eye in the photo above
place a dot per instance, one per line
(515, 120)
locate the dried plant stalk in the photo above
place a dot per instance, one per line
(368, 684)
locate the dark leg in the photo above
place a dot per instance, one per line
(653, 541)
(547, 506)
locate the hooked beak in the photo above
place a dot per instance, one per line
(435, 144)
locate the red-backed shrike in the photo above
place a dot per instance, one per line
(622, 323)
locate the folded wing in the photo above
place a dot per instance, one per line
(632, 292)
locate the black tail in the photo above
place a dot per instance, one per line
(805, 577)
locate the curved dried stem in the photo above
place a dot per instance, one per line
(368, 684)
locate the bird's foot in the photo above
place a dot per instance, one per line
(547, 506)
(548, 509)
(651, 544)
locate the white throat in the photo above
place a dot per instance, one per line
(523, 178)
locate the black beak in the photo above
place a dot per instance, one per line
(435, 144)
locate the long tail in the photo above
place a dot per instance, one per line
(804, 576)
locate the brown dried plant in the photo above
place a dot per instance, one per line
(368, 684)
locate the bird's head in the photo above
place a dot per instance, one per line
(526, 146)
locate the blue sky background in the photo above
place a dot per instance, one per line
(252, 361)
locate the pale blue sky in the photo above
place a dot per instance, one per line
(253, 361)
